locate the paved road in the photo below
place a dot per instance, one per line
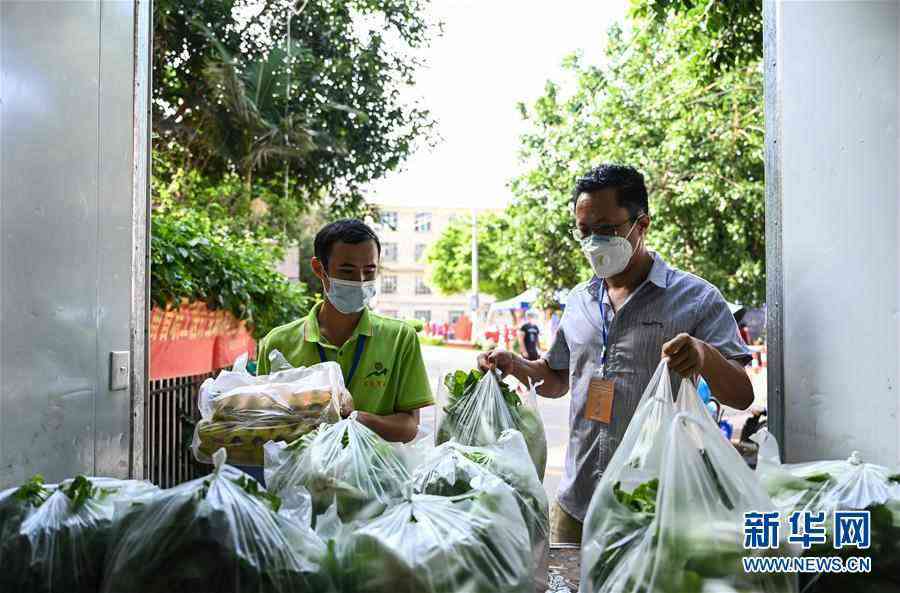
(555, 413)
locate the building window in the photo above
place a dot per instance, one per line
(388, 284)
(455, 316)
(420, 251)
(423, 222)
(423, 315)
(421, 287)
(389, 252)
(389, 219)
(392, 313)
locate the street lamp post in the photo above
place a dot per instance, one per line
(473, 302)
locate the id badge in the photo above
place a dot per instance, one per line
(601, 393)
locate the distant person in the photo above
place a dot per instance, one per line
(529, 337)
(745, 332)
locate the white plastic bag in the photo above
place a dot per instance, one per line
(344, 464)
(452, 469)
(217, 534)
(472, 543)
(241, 412)
(475, 408)
(55, 538)
(839, 485)
(668, 513)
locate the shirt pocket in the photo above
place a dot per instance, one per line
(641, 347)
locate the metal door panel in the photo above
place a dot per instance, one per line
(69, 185)
(113, 408)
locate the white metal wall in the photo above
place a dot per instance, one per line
(832, 161)
(73, 139)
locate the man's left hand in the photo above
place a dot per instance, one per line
(686, 355)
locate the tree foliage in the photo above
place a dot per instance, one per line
(231, 105)
(693, 127)
(450, 258)
(726, 32)
(264, 111)
(195, 257)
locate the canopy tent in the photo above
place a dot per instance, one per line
(522, 301)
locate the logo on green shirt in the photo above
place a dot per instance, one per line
(380, 371)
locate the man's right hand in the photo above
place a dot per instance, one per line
(499, 359)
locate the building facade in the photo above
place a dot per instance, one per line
(406, 234)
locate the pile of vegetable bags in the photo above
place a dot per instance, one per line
(475, 408)
(668, 513)
(839, 485)
(415, 517)
(452, 469)
(219, 534)
(241, 412)
(475, 542)
(54, 538)
(344, 464)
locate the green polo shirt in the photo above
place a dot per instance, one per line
(391, 376)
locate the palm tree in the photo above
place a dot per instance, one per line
(253, 123)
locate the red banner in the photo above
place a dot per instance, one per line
(194, 339)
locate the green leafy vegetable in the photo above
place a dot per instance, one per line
(253, 488)
(452, 469)
(475, 415)
(58, 538)
(217, 534)
(642, 500)
(33, 491)
(344, 464)
(805, 487)
(476, 542)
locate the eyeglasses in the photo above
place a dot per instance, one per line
(602, 230)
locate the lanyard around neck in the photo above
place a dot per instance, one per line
(605, 332)
(357, 355)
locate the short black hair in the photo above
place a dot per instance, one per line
(346, 230)
(628, 181)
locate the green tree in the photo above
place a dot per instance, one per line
(233, 109)
(730, 31)
(450, 259)
(697, 137)
(195, 256)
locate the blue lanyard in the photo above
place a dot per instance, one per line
(605, 332)
(357, 355)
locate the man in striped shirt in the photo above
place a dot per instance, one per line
(615, 329)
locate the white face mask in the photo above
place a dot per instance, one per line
(608, 255)
(350, 297)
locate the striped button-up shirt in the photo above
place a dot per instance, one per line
(667, 303)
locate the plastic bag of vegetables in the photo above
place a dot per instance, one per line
(221, 533)
(452, 469)
(668, 513)
(55, 538)
(624, 503)
(241, 412)
(474, 408)
(344, 464)
(839, 485)
(474, 543)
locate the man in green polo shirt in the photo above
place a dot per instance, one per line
(380, 357)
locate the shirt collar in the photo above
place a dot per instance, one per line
(312, 333)
(659, 275)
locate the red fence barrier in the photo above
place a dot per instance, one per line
(194, 339)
